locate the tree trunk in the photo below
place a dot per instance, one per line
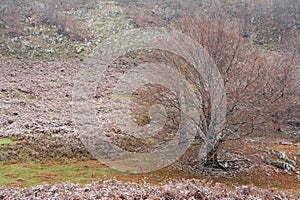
(212, 158)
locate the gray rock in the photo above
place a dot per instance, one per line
(50, 51)
(79, 49)
(282, 155)
(283, 165)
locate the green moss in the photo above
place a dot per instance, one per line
(143, 120)
(121, 96)
(29, 174)
(7, 141)
(152, 140)
(25, 95)
(270, 46)
(4, 94)
(17, 95)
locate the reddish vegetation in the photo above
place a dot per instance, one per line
(257, 54)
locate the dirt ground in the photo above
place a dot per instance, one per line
(36, 113)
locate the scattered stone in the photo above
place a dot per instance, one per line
(188, 189)
(50, 51)
(273, 151)
(282, 155)
(79, 49)
(267, 152)
(283, 165)
(285, 143)
(45, 38)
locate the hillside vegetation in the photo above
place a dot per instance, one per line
(255, 45)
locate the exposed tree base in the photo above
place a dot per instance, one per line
(215, 165)
(212, 159)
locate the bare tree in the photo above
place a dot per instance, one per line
(259, 83)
